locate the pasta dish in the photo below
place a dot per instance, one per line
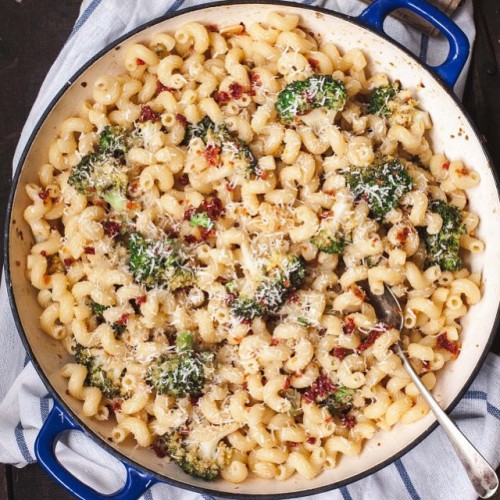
(202, 225)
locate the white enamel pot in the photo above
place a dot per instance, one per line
(453, 134)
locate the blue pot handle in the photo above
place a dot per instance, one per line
(58, 421)
(450, 70)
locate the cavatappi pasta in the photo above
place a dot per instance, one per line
(201, 227)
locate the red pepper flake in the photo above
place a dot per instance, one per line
(340, 352)
(313, 62)
(43, 253)
(448, 345)
(43, 195)
(116, 404)
(68, 262)
(229, 187)
(123, 320)
(320, 388)
(294, 298)
(140, 62)
(184, 180)
(211, 154)
(141, 300)
(275, 341)
(111, 228)
(147, 114)
(402, 235)
(212, 27)
(162, 88)
(194, 400)
(349, 325)
(221, 97)
(255, 79)
(311, 440)
(287, 384)
(132, 205)
(348, 421)
(251, 92)
(445, 165)
(181, 119)
(89, 250)
(235, 90)
(370, 339)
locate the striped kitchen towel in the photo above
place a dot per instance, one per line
(430, 471)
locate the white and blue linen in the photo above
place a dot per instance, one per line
(430, 471)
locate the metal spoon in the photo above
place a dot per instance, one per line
(481, 474)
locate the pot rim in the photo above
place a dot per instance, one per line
(17, 319)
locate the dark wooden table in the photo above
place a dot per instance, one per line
(32, 33)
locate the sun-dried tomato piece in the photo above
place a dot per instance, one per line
(147, 114)
(319, 389)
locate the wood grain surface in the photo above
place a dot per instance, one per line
(32, 33)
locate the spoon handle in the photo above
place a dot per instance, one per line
(482, 476)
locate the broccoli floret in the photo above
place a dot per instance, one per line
(158, 262)
(329, 244)
(299, 97)
(96, 374)
(204, 460)
(381, 185)
(339, 402)
(102, 173)
(273, 291)
(380, 97)
(246, 308)
(443, 248)
(202, 220)
(113, 141)
(97, 309)
(183, 372)
(222, 145)
(103, 176)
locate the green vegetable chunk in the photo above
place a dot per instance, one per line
(103, 173)
(339, 402)
(113, 140)
(329, 244)
(381, 185)
(204, 460)
(158, 262)
(273, 291)
(201, 219)
(443, 248)
(183, 372)
(380, 97)
(97, 376)
(317, 91)
(225, 148)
